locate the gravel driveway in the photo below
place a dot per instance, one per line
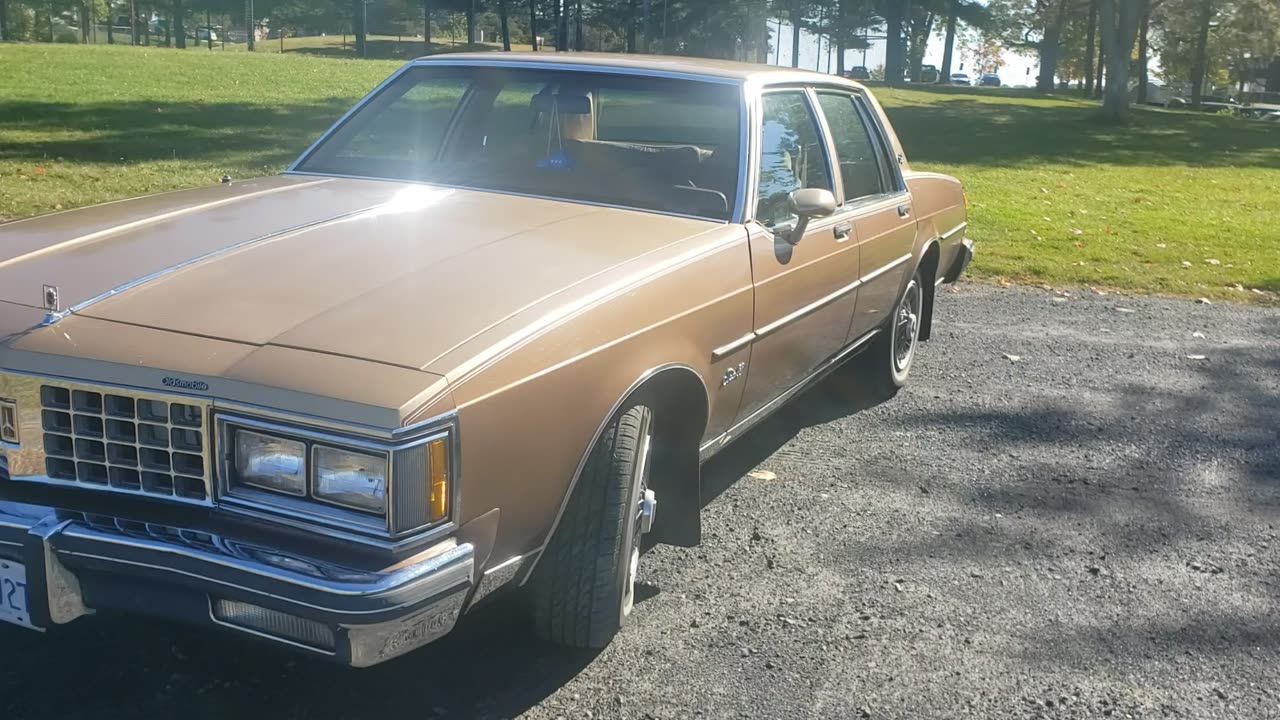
(1072, 511)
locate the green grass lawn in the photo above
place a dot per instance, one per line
(1057, 198)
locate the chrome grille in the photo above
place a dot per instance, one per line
(123, 442)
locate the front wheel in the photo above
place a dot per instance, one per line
(894, 349)
(584, 587)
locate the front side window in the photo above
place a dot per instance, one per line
(661, 144)
(792, 155)
(856, 153)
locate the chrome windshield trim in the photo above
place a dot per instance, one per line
(511, 193)
(568, 65)
(953, 230)
(347, 115)
(885, 268)
(818, 304)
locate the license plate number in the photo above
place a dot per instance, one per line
(13, 594)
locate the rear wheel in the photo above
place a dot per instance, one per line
(893, 352)
(584, 587)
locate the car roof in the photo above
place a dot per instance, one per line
(656, 64)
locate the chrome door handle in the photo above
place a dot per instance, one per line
(843, 231)
(904, 211)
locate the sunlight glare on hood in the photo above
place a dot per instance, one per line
(409, 199)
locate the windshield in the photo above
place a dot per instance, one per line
(642, 142)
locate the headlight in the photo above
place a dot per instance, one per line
(353, 479)
(270, 462)
(391, 487)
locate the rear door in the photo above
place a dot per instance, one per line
(874, 201)
(804, 293)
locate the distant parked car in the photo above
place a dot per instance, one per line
(1260, 104)
(1271, 117)
(989, 80)
(960, 79)
(929, 74)
(205, 34)
(858, 72)
(1208, 103)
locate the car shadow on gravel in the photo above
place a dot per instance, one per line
(841, 394)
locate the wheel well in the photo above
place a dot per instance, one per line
(928, 276)
(678, 399)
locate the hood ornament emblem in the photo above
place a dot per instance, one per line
(51, 298)
(52, 306)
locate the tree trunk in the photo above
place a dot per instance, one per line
(1144, 51)
(426, 26)
(179, 25)
(4, 20)
(1198, 63)
(579, 43)
(1119, 28)
(1102, 65)
(208, 24)
(83, 11)
(471, 22)
(948, 52)
(133, 23)
(168, 31)
(797, 16)
(111, 36)
(502, 25)
(562, 7)
(358, 25)
(631, 26)
(1049, 49)
(251, 25)
(893, 53)
(533, 24)
(1090, 49)
(920, 44)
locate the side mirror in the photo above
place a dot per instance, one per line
(809, 203)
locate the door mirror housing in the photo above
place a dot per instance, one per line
(806, 204)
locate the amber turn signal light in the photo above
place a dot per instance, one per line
(438, 457)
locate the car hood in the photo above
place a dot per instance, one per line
(391, 272)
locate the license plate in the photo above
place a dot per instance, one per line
(13, 594)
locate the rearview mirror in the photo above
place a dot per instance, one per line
(809, 203)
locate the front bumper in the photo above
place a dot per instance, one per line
(361, 618)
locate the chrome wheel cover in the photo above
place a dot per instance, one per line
(906, 327)
(646, 505)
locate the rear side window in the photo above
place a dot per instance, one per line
(856, 151)
(792, 155)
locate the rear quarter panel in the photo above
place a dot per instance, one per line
(938, 202)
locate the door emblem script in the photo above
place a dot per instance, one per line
(733, 373)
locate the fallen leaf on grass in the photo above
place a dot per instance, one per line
(1077, 231)
(1162, 245)
(762, 475)
(1212, 261)
(1203, 301)
(1186, 263)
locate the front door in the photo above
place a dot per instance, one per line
(804, 292)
